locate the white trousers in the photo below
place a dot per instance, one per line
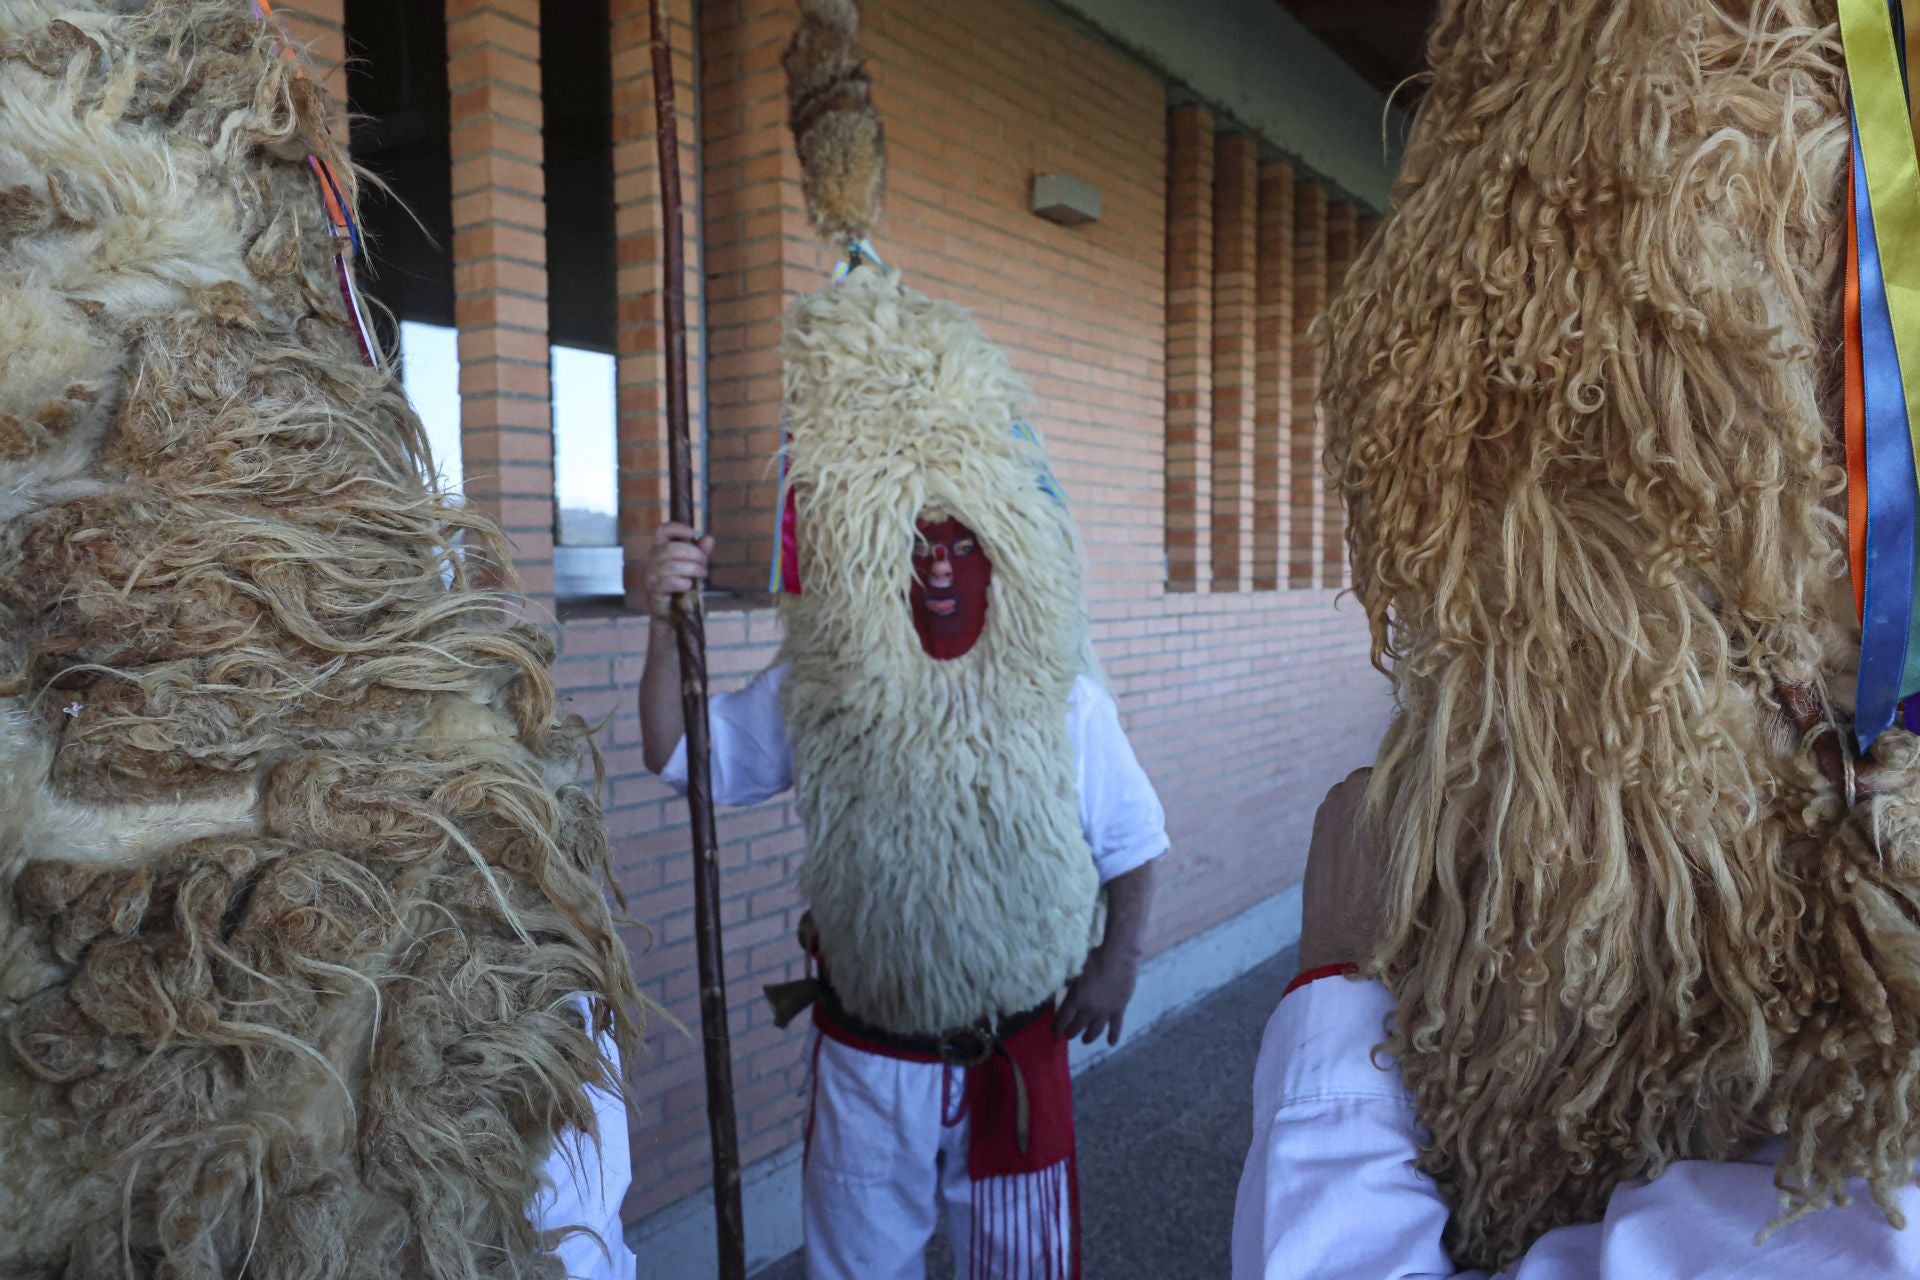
(887, 1159)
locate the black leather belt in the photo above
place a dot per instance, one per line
(964, 1046)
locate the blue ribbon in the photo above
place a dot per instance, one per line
(857, 252)
(1023, 430)
(1891, 495)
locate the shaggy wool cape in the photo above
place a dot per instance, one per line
(297, 896)
(1583, 390)
(946, 867)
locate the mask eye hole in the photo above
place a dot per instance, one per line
(964, 547)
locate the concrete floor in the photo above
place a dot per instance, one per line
(1163, 1128)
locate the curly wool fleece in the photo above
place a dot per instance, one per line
(296, 893)
(1583, 394)
(946, 866)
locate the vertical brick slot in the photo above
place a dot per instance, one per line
(1305, 490)
(1342, 243)
(638, 222)
(500, 274)
(1190, 167)
(1272, 370)
(758, 243)
(1236, 185)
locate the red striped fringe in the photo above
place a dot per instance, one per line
(1027, 1227)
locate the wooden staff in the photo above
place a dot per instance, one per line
(691, 633)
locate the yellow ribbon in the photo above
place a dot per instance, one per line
(1893, 178)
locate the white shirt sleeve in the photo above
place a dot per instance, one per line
(751, 759)
(586, 1181)
(1119, 809)
(1330, 1191)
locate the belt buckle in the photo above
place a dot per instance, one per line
(965, 1046)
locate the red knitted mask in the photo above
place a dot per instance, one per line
(951, 573)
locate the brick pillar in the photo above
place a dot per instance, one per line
(1236, 183)
(637, 212)
(319, 26)
(1189, 345)
(1364, 228)
(1306, 493)
(1272, 370)
(500, 274)
(761, 253)
(1342, 244)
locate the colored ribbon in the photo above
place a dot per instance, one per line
(1890, 491)
(785, 577)
(1855, 412)
(1023, 430)
(858, 252)
(341, 227)
(1886, 196)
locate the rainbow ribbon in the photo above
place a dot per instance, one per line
(341, 227)
(1883, 360)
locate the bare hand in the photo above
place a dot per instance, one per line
(1340, 914)
(677, 563)
(1096, 1001)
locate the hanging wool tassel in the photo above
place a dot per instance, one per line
(835, 129)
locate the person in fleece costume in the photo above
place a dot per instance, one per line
(1642, 944)
(961, 771)
(299, 896)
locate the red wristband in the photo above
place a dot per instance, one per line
(1314, 975)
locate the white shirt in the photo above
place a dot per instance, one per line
(1119, 811)
(1330, 1191)
(585, 1183)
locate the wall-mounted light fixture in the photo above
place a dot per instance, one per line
(1065, 199)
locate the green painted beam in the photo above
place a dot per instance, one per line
(1252, 61)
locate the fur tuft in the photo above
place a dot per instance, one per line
(843, 163)
(1582, 393)
(946, 866)
(296, 891)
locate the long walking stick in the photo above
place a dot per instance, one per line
(691, 633)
